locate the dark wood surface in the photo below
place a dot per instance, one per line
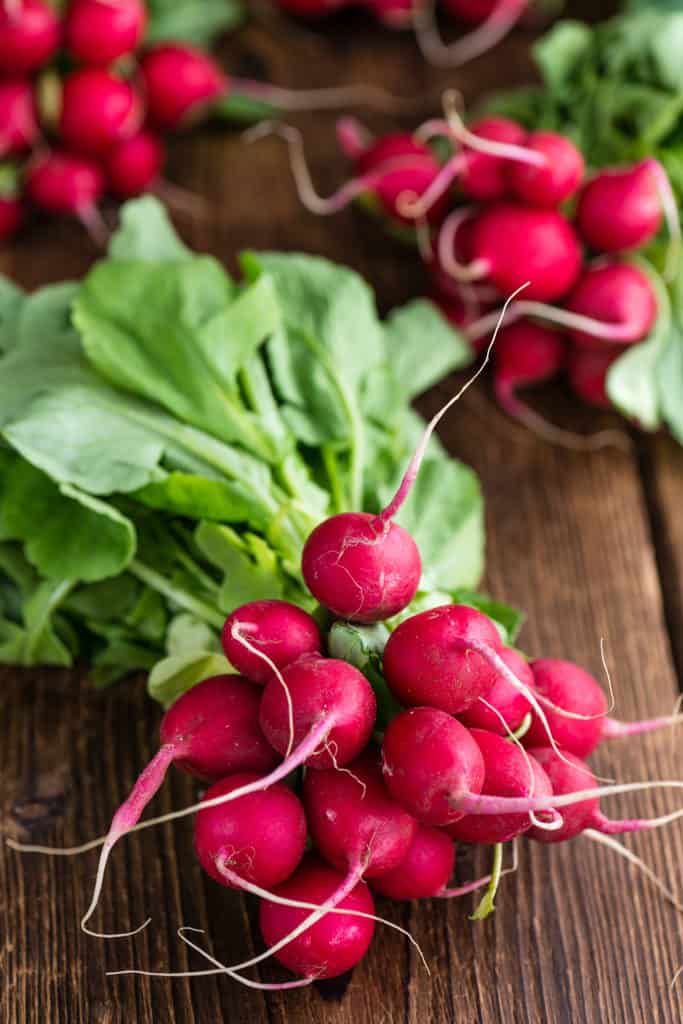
(590, 546)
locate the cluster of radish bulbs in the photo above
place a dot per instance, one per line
(496, 208)
(481, 747)
(85, 106)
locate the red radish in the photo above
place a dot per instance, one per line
(435, 769)
(11, 216)
(98, 111)
(424, 871)
(280, 631)
(620, 296)
(484, 176)
(507, 773)
(29, 35)
(18, 122)
(514, 244)
(471, 11)
(588, 375)
(354, 822)
(257, 840)
(576, 708)
(100, 31)
(361, 567)
(134, 165)
(504, 707)
(179, 82)
(621, 208)
(333, 944)
(429, 660)
(572, 776)
(331, 700)
(59, 182)
(526, 353)
(555, 181)
(427, 755)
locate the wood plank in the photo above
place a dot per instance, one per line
(576, 936)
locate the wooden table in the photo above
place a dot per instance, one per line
(590, 546)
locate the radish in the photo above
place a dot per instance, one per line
(99, 110)
(209, 732)
(60, 182)
(333, 711)
(424, 871)
(257, 840)
(19, 130)
(555, 181)
(101, 31)
(573, 776)
(426, 755)
(508, 772)
(513, 244)
(179, 81)
(493, 18)
(621, 208)
(576, 708)
(526, 353)
(333, 944)
(281, 632)
(29, 35)
(354, 823)
(505, 707)
(435, 770)
(362, 567)
(587, 372)
(428, 659)
(134, 165)
(620, 297)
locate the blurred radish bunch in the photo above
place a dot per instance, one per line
(89, 90)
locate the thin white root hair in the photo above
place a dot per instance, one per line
(218, 969)
(675, 978)
(637, 862)
(237, 632)
(673, 223)
(462, 273)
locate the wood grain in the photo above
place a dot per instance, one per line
(590, 546)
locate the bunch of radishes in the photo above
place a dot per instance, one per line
(495, 206)
(481, 747)
(85, 107)
(79, 117)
